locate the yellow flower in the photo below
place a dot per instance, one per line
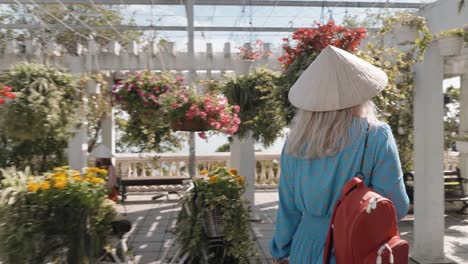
(203, 172)
(103, 171)
(59, 174)
(233, 172)
(90, 174)
(74, 172)
(96, 180)
(93, 169)
(44, 186)
(77, 178)
(60, 184)
(33, 187)
(61, 168)
(213, 179)
(240, 180)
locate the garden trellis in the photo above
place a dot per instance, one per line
(116, 60)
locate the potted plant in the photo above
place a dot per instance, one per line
(450, 42)
(188, 111)
(215, 208)
(139, 96)
(37, 125)
(261, 110)
(62, 215)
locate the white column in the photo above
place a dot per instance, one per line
(243, 150)
(243, 159)
(78, 145)
(428, 162)
(462, 147)
(108, 126)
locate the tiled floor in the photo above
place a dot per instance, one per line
(153, 221)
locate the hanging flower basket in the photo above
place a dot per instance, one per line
(212, 224)
(189, 125)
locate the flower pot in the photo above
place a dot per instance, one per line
(212, 223)
(242, 67)
(405, 34)
(189, 125)
(450, 46)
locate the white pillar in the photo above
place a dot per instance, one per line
(428, 162)
(108, 125)
(243, 159)
(462, 147)
(243, 150)
(78, 145)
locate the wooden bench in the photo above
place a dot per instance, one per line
(453, 187)
(124, 182)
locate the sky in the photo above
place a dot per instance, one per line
(242, 16)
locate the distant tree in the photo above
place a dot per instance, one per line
(224, 148)
(72, 15)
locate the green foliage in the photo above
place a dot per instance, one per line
(224, 148)
(36, 127)
(395, 102)
(59, 217)
(221, 194)
(408, 19)
(146, 127)
(12, 185)
(261, 110)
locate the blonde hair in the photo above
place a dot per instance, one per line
(321, 134)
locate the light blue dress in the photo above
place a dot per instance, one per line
(309, 188)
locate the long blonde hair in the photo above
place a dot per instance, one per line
(321, 134)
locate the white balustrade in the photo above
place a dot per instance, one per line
(266, 177)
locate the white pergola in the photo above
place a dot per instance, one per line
(428, 100)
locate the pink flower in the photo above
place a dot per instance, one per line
(236, 109)
(202, 135)
(175, 105)
(216, 125)
(203, 115)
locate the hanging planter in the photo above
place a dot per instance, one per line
(450, 45)
(188, 111)
(213, 223)
(193, 125)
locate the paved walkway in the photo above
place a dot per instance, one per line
(153, 221)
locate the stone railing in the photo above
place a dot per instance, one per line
(148, 165)
(267, 172)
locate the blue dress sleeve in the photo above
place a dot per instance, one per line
(387, 175)
(288, 215)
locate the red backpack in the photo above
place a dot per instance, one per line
(363, 228)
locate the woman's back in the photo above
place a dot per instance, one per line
(309, 189)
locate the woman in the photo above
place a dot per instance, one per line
(324, 150)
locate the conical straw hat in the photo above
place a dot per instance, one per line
(336, 80)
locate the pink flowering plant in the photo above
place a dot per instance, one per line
(210, 112)
(139, 96)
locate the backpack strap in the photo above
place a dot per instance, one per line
(360, 173)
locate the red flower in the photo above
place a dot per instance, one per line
(314, 40)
